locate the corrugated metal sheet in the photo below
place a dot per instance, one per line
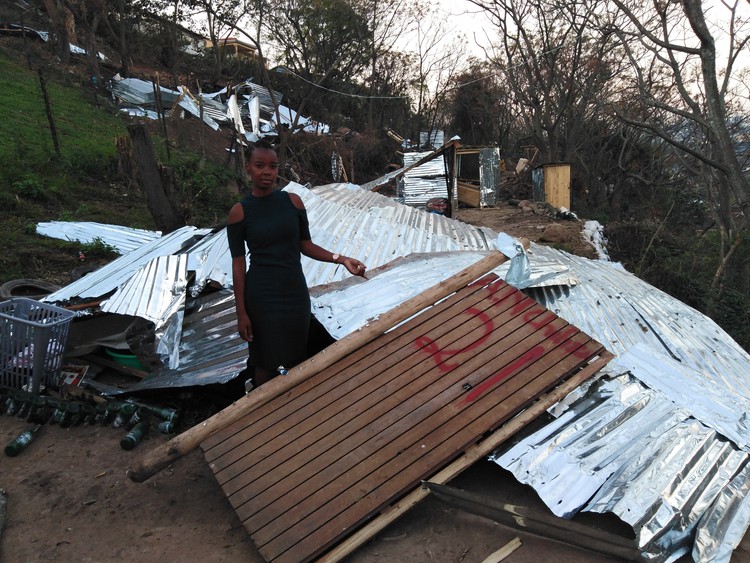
(124, 239)
(431, 138)
(210, 350)
(489, 175)
(375, 229)
(654, 452)
(137, 91)
(110, 277)
(156, 292)
(650, 442)
(424, 182)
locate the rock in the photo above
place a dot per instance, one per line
(526, 205)
(554, 233)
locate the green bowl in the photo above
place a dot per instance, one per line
(129, 360)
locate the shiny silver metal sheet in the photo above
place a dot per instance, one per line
(123, 239)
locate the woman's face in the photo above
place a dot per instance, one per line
(263, 168)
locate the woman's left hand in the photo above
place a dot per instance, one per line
(355, 267)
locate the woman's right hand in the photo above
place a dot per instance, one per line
(245, 327)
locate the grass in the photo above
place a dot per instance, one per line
(81, 183)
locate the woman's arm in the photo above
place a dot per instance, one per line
(244, 327)
(312, 250)
(237, 248)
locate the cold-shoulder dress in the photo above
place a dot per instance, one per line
(276, 295)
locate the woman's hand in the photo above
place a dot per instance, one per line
(355, 267)
(245, 327)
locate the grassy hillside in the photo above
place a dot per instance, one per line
(81, 183)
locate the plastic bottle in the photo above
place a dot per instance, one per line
(131, 439)
(19, 443)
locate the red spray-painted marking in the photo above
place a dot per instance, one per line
(441, 356)
(530, 316)
(529, 357)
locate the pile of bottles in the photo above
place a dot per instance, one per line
(134, 417)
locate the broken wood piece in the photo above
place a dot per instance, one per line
(111, 364)
(504, 551)
(162, 456)
(539, 524)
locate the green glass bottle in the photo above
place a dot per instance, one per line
(4, 394)
(165, 413)
(110, 412)
(138, 416)
(88, 413)
(38, 414)
(70, 415)
(126, 411)
(19, 443)
(131, 439)
(101, 414)
(166, 427)
(24, 404)
(59, 412)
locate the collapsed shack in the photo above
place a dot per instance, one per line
(656, 438)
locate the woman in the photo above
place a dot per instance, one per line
(271, 297)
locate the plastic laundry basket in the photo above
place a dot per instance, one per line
(33, 336)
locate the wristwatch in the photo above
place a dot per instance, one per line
(336, 258)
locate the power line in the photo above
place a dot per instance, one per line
(286, 70)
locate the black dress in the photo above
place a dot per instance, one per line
(276, 294)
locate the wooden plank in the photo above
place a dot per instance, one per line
(362, 498)
(399, 445)
(378, 416)
(161, 456)
(271, 416)
(503, 552)
(369, 389)
(395, 358)
(472, 454)
(468, 194)
(539, 523)
(406, 451)
(400, 410)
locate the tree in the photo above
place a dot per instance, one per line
(221, 20)
(388, 21)
(478, 107)
(557, 71)
(436, 66)
(60, 18)
(676, 74)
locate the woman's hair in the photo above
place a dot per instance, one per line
(261, 144)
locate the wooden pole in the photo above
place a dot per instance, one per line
(162, 456)
(48, 108)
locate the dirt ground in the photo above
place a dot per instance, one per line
(69, 499)
(68, 496)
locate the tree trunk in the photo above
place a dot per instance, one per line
(58, 17)
(166, 218)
